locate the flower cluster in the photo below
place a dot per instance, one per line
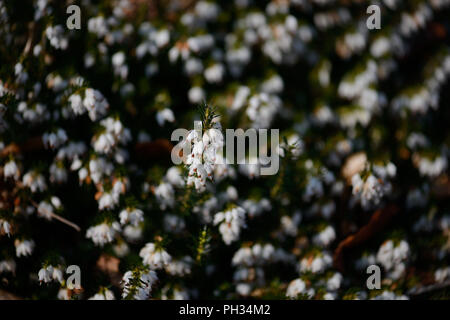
(203, 156)
(87, 149)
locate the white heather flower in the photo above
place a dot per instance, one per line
(82, 174)
(64, 294)
(267, 252)
(5, 227)
(95, 103)
(180, 49)
(256, 208)
(89, 60)
(349, 118)
(45, 274)
(231, 194)
(164, 115)
(50, 273)
(323, 115)
(131, 215)
(173, 223)
(72, 151)
(165, 195)
(119, 187)
(54, 139)
(121, 249)
(365, 261)
(371, 100)
(10, 170)
(417, 140)
(98, 25)
(244, 257)
(99, 167)
(45, 210)
(314, 188)
(174, 177)
(104, 143)
(244, 289)
(316, 264)
(58, 173)
(55, 35)
(114, 134)
(371, 191)
(384, 172)
(230, 223)
(214, 73)
(328, 209)
(196, 95)
(20, 73)
(389, 255)
(380, 47)
(156, 258)
(432, 168)
(325, 237)
(251, 169)
(442, 274)
(180, 267)
(289, 225)
(207, 10)
(294, 144)
(108, 200)
(206, 209)
(330, 296)
(76, 103)
(34, 181)
(193, 66)
(104, 294)
(273, 85)
(143, 289)
(161, 37)
(240, 98)
(237, 59)
(262, 108)
(200, 43)
(177, 294)
(334, 282)
(24, 247)
(353, 86)
(118, 62)
(259, 255)
(56, 82)
(132, 233)
(296, 287)
(56, 202)
(389, 295)
(103, 233)
(8, 266)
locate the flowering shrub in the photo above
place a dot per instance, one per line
(86, 176)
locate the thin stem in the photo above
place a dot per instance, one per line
(57, 217)
(430, 288)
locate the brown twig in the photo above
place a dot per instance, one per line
(29, 42)
(160, 148)
(57, 217)
(377, 222)
(32, 144)
(5, 295)
(430, 288)
(441, 187)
